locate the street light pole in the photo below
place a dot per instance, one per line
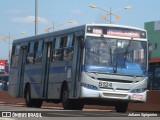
(53, 27)
(36, 17)
(110, 12)
(110, 15)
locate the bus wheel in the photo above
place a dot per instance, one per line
(65, 98)
(28, 100)
(121, 107)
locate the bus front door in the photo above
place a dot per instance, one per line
(77, 63)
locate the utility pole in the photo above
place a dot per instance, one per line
(36, 17)
(9, 45)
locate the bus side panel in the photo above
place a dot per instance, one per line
(52, 86)
(32, 75)
(59, 72)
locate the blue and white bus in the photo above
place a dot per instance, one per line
(89, 64)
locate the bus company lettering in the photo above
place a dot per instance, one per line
(123, 33)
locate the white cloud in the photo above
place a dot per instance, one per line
(29, 19)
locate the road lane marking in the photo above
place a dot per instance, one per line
(7, 119)
(62, 114)
(95, 114)
(98, 110)
(57, 108)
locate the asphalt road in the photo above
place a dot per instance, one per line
(12, 112)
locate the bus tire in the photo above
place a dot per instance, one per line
(28, 100)
(121, 107)
(66, 103)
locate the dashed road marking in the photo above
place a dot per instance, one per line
(63, 114)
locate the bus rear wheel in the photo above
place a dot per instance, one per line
(28, 100)
(121, 107)
(37, 103)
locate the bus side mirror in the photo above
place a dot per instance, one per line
(150, 47)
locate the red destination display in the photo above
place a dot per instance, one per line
(123, 33)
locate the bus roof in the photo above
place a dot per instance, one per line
(70, 30)
(51, 34)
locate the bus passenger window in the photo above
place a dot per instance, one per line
(57, 55)
(68, 54)
(38, 51)
(30, 56)
(64, 41)
(68, 51)
(58, 50)
(54, 43)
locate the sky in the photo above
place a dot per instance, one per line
(17, 16)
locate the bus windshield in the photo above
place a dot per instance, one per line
(117, 56)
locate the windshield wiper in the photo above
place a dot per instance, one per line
(126, 51)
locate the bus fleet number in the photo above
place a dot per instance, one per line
(105, 85)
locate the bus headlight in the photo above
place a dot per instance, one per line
(138, 90)
(92, 87)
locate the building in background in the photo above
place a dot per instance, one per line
(153, 29)
(4, 66)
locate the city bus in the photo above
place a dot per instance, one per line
(101, 64)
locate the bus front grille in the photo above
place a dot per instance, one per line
(115, 80)
(115, 95)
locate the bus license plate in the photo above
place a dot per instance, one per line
(105, 85)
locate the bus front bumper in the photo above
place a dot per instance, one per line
(89, 93)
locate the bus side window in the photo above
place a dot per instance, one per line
(68, 50)
(30, 55)
(38, 51)
(57, 51)
(15, 55)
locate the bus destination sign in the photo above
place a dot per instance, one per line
(116, 31)
(123, 33)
